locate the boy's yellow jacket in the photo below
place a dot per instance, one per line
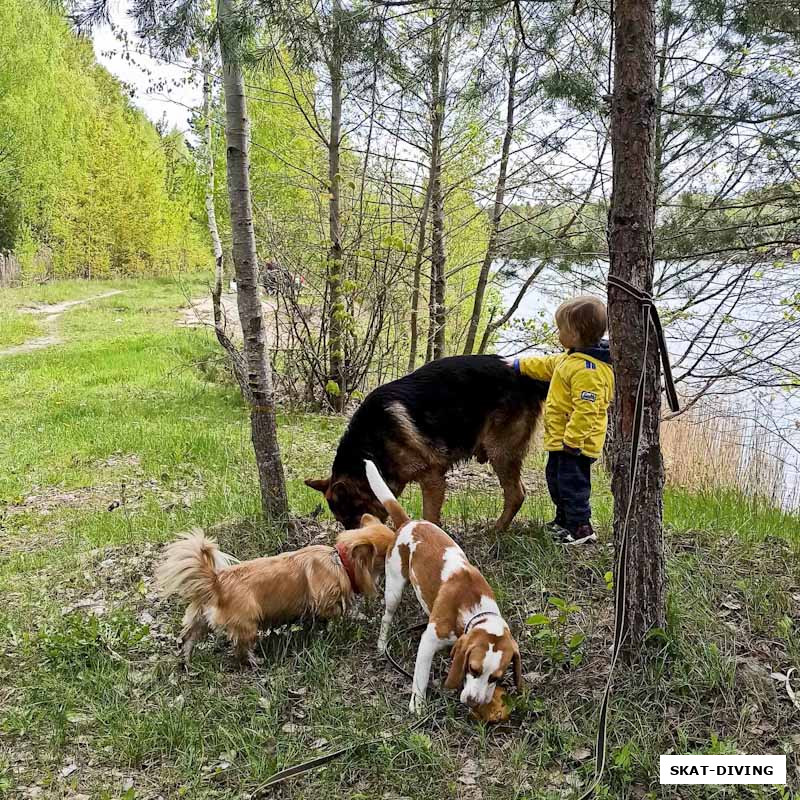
(581, 388)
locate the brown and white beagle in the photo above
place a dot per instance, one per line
(459, 602)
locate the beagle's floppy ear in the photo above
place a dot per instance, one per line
(320, 484)
(517, 659)
(459, 653)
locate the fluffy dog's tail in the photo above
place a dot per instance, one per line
(384, 494)
(190, 568)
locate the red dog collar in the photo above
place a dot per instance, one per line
(348, 567)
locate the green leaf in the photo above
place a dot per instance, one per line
(538, 619)
(576, 640)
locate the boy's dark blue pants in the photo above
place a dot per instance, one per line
(569, 482)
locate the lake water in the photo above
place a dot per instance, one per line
(712, 340)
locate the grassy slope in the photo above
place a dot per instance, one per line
(134, 411)
(16, 327)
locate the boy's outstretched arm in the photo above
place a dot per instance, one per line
(539, 367)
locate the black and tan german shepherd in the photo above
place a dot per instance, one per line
(417, 427)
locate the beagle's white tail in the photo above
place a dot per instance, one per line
(384, 494)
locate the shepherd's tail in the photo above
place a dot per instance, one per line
(384, 494)
(190, 568)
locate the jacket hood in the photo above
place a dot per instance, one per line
(600, 351)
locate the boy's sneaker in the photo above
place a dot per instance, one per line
(583, 534)
(556, 529)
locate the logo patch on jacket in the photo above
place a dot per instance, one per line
(590, 396)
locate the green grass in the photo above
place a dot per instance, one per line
(135, 410)
(729, 513)
(16, 327)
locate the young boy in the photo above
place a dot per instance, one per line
(576, 412)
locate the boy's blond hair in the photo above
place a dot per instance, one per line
(585, 317)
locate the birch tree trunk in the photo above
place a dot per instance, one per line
(631, 227)
(259, 376)
(499, 205)
(211, 214)
(236, 360)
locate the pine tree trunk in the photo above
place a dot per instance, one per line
(431, 318)
(414, 321)
(438, 259)
(499, 206)
(335, 300)
(631, 234)
(435, 175)
(437, 347)
(259, 376)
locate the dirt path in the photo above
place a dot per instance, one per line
(200, 313)
(50, 313)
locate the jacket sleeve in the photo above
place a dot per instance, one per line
(588, 401)
(539, 367)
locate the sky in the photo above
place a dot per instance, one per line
(160, 88)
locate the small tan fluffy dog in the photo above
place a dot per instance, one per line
(240, 598)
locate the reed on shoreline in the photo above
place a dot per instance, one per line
(714, 446)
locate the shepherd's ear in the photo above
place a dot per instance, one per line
(368, 519)
(320, 484)
(458, 667)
